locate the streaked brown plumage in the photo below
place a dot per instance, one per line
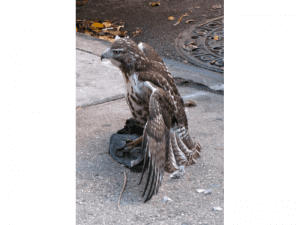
(156, 104)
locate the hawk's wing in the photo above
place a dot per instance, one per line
(156, 139)
(150, 52)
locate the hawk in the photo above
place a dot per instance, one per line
(156, 104)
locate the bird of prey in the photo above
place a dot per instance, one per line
(156, 104)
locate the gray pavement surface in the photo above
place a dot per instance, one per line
(99, 179)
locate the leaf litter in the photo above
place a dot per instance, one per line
(105, 30)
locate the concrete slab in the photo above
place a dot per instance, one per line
(96, 81)
(100, 179)
(91, 44)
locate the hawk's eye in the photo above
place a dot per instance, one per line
(117, 52)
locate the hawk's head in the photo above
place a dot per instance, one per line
(124, 52)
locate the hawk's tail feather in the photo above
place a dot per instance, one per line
(179, 153)
(180, 157)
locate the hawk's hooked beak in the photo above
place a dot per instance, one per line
(107, 54)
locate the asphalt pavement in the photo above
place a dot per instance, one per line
(102, 110)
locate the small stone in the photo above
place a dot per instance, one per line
(200, 190)
(166, 199)
(217, 208)
(207, 192)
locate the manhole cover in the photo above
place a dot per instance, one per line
(203, 44)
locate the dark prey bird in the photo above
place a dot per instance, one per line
(156, 104)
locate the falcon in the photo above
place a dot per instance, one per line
(155, 103)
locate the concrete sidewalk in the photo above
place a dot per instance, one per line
(99, 179)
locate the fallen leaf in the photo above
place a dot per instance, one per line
(97, 25)
(171, 18)
(190, 46)
(136, 33)
(213, 62)
(114, 32)
(178, 22)
(185, 61)
(193, 43)
(216, 37)
(185, 14)
(96, 30)
(189, 21)
(218, 6)
(119, 27)
(106, 38)
(78, 108)
(107, 24)
(88, 33)
(76, 29)
(78, 3)
(189, 103)
(122, 33)
(201, 33)
(154, 3)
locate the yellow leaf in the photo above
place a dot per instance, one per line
(78, 108)
(171, 18)
(98, 25)
(216, 37)
(76, 29)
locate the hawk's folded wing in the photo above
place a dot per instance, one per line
(156, 139)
